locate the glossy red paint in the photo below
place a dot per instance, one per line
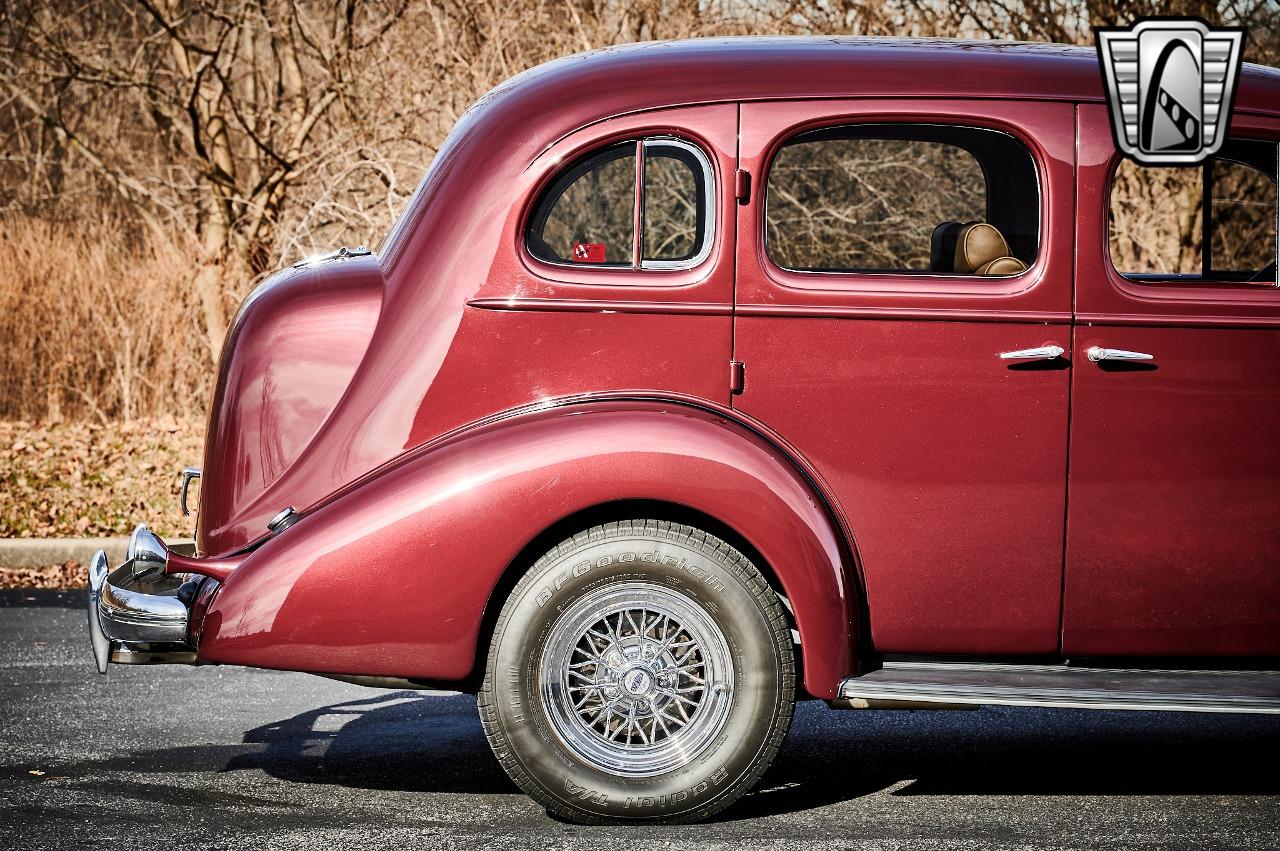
(1173, 538)
(456, 241)
(393, 576)
(437, 362)
(214, 568)
(901, 481)
(949, 463)
(290, 355)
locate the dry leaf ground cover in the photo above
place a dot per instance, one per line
(80, 479)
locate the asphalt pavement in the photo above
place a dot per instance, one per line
(229, 758)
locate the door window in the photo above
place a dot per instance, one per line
(1216, 222)
(905, 199)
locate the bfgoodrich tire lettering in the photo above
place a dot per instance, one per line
(641, 670)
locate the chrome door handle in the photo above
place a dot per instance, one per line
(1097, 353)
(1038, 353)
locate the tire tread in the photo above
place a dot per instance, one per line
(729, 558)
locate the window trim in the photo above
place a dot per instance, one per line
(909, 274)
(642, 143)
(707, 200)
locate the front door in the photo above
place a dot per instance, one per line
(1173, 535)
(890, 253)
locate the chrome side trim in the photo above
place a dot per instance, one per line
(1068, 687)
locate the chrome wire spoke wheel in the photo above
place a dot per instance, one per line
(636, 678)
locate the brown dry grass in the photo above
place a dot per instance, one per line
(96, 325)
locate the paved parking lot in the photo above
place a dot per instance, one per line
(226, 758)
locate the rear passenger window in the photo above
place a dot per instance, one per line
(589, 215)
(904, 199)
(591, 204)
(1215, 222)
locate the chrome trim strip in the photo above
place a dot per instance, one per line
(1066, 687)
(595, 305)
(816, 311)
(1189, 320)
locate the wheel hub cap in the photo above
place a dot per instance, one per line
(636, 678)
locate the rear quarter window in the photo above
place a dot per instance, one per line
(590, 213)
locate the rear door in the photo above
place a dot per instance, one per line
(1173, 535)
(881, 362)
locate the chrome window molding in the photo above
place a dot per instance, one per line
(706, 201)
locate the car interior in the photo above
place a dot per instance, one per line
(972, 248)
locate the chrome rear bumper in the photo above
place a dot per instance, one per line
(138, 614)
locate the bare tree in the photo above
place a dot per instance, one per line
(212, 140)
(234, 93)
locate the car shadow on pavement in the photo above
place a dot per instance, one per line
(408, 742)
(399, 740)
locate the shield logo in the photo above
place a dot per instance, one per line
(1170, 86)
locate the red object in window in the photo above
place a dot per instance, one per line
(588, 252)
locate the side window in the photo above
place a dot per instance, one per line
(1216, 222)
(590, 213)
(675, 196)
(904, 199)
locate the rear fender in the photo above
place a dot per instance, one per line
(392, 577)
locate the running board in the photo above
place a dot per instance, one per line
(955, 684)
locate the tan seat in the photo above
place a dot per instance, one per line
(982, 250)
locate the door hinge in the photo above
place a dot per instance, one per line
(737, 377)
(742, 186)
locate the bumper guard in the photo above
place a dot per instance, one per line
(138, 613)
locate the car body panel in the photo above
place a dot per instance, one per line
(1173, 541)
(949, 462)
(289, 357)
(393, 576)
(454, 343)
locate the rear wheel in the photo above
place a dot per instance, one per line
(641, 670)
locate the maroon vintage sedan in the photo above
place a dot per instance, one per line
(703, 377)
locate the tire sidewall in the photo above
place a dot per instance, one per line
(706, 577)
